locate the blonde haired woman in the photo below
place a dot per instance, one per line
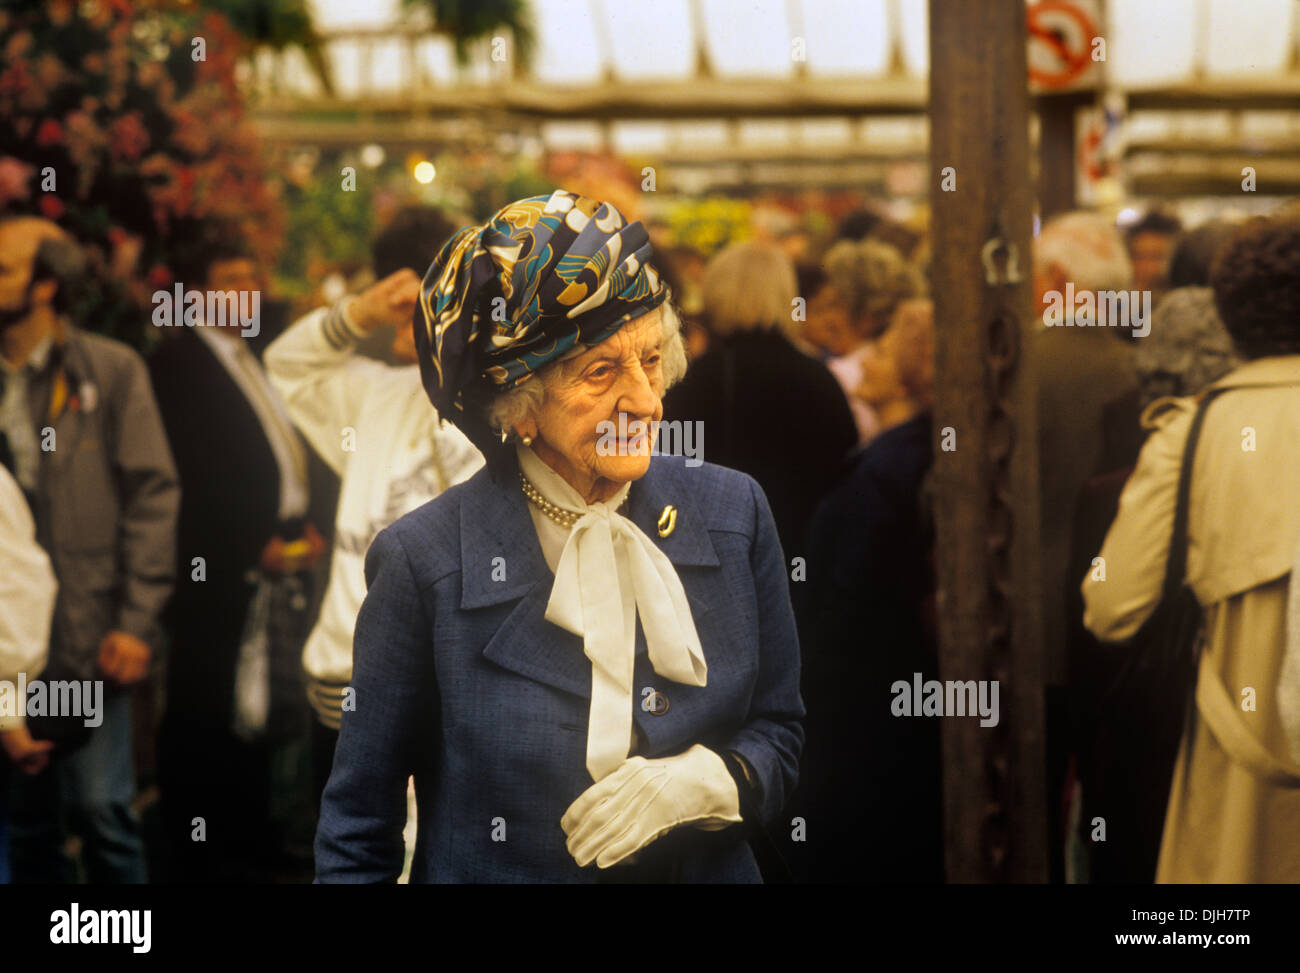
(765, 407)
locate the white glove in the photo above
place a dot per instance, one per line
(644, 799)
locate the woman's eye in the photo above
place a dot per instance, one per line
(603, 371)
(653, 360)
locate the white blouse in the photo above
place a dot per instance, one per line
(607, 574)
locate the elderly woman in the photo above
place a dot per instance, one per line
(898, 369)
(585, 654)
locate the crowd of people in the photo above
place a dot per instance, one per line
(326, 617)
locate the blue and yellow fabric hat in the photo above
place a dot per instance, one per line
(544, 277)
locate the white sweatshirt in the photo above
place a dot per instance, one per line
(27, 592)
(373, 424)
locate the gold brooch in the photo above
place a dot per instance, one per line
(667, 520)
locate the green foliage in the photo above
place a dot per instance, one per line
(326, 223)
(467, 21)
(478, 183)
(277, 24)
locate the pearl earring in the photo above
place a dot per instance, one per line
(528, 440)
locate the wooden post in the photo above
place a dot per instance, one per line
(986, 505)
(1057, 191)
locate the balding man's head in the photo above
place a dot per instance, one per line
(23, 235)
(40, 266)
(1084, 249)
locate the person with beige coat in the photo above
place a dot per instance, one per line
(1234, 803)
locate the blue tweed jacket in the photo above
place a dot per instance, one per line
(460, 681)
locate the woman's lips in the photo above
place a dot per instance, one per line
(635, 441)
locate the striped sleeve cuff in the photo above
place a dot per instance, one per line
(339, 328)
(326, 698)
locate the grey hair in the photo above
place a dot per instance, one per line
(514, 407)
(1187, 349)
(1088, 250)
(871, 278)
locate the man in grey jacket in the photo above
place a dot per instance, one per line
(86, 443)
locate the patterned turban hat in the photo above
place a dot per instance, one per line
(544, 278)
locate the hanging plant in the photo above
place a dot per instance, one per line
(465, 22)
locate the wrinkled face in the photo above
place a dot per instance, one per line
(596, 425)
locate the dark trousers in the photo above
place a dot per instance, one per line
(215, 802)
(4, 820)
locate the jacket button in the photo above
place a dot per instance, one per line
(654, 703)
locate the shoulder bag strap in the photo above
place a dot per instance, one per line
(1176, 567)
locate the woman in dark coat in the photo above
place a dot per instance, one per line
(871, 783)
(764, 406)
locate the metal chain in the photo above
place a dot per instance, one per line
(1002, 348)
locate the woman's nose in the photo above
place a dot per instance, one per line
(638, 397)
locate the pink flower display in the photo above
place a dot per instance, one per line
(128, 137)
(50, 132)
(50, 206)
(14, 178)
(154, 154)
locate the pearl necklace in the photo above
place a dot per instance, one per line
(561, 515)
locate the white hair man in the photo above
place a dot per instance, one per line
(1081, 371)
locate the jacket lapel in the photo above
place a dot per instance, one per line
(663, 485)
(63, 408)
(495, 523)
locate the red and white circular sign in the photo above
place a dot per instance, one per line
(1061, 34)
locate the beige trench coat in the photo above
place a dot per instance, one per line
(1234, 804)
